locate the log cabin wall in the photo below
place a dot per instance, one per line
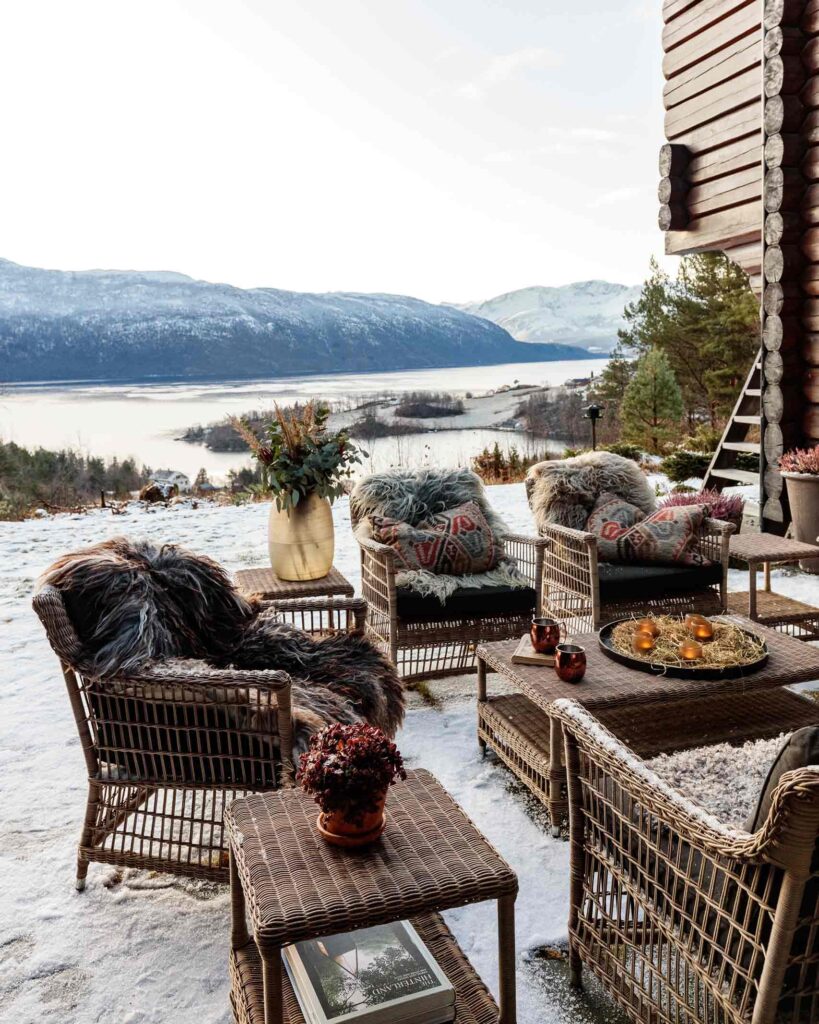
(740, 174)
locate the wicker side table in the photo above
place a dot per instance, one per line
(793, 617)
(266, 585)
(295, 886)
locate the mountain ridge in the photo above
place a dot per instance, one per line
(584, 313)
(130, 325)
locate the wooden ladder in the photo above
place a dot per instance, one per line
(747, 415)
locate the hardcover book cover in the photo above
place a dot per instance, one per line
(370, 976)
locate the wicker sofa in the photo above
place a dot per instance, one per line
(168, 747)
(681, 917)
(583, 592)
(423, 638)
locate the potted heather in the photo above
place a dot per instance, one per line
(800, 469)
(348, 770)
(726, 507)
(304, 464)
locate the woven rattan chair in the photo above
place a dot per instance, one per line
(169, 746)
(582, 592)
(441, 641)
(682, 918)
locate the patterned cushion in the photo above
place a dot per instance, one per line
(610, 518)
(452, 543)
(666, 537)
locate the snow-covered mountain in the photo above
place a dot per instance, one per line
(110, 325)
(587, 313)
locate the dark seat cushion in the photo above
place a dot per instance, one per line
(465, 603)
(629, 582)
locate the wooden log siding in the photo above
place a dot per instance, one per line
(807, 401)
(713, 102)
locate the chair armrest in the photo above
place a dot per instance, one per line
(193, 672)
(524, 539)
(313, 614)
(568, 533)
(383, 552)
(719, 526)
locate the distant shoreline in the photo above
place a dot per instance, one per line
(216, 379)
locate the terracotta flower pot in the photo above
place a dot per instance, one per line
(339, 830)
(301, 540)
(803, 498)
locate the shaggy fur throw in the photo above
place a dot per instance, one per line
(563, 492)
(132, 603)
(413, 497)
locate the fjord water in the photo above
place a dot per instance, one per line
(145, 420)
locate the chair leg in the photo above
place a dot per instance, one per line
(82, 871)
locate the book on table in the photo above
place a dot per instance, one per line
(379, 975)
(525, 654)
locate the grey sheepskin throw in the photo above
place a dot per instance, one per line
(133, 602)
(413, 497)
(563, 492)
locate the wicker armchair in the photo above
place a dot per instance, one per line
(438, 640)
(681, 917)
(583, 593)
(168, 747)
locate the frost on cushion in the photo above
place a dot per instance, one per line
(455, 542)
(611, 517)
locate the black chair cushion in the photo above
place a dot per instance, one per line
(630, 582)
(465, 603)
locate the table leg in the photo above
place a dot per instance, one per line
(752, 590)
(238, 920)
(481, 695)
(506, 960)
(272, 981)
(768, 577)
(557, 774)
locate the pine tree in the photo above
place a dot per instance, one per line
(652, 406)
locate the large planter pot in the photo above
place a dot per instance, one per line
(301, 540)
(336, 828)
(803, 498)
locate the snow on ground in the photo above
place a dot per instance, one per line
(144, 950)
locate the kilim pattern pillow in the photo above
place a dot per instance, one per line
(666, 537)
(611, 517)
(452, 543)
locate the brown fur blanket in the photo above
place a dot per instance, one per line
(132, 602)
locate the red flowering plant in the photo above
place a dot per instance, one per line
(348, 768)
(727, 507)
(801, 460)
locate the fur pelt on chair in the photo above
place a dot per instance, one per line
(563, 492)
(414, 496)
(132, 602)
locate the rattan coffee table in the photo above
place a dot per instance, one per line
(263, 583)
(651, 714)
(794, 617)
(295, 886)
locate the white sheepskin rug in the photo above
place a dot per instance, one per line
(563, 492)
(724, 780)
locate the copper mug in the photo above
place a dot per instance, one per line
(570, 662)
(545, 635)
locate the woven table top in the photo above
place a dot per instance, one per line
(297, 886)
(265, 584)
(767, 547)
(607, 683)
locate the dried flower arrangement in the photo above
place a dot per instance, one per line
(801, 460)
(348, 769)
(299, 456)
(731, 646)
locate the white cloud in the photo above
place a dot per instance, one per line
(504, 66)
(615, 195)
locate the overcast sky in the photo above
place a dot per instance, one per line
(450, 149)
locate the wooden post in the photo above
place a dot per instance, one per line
(506, 960)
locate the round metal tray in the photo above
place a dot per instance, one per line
(677, 671)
